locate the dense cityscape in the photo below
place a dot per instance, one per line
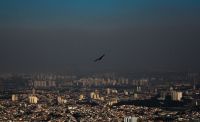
(99, 61)
(102, 97)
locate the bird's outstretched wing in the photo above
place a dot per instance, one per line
(100, 58)
(96, 60)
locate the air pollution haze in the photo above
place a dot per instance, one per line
(37, 35)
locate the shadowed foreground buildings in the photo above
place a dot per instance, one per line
(101, 97)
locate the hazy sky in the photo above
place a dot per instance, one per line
(67, 35)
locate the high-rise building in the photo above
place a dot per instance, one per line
(39, 83)
(61, 100)
(44, 83)
(102, 98)
(176, 96)
(97, 96)
(108, 90)
(125, 92)
(162, 95)
(81, 97)
(33, 99)
(114, 91)
(92, 95)
(171, 88)
(194, 85)
(51, 84)
(130, 119)
(138, 89)
(33, 91)
(135, 96)
(14, 97)
(112, 101)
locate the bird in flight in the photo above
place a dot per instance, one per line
(100, 58)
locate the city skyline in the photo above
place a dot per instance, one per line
(100, 97)
(100, 60)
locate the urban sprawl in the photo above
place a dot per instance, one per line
(102, 97)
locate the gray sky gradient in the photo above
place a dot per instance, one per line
(69, 35)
